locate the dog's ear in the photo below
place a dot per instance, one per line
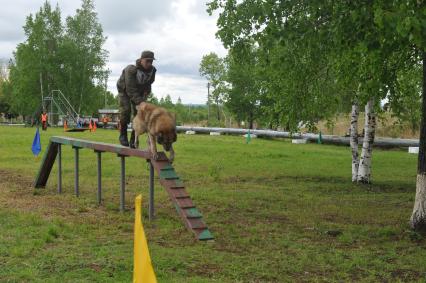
(142, 106)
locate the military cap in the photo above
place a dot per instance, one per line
(147, 55)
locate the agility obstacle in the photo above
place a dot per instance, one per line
(192, 218)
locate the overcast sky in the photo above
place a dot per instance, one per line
(180, 32)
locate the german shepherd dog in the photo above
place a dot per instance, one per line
(160, 126)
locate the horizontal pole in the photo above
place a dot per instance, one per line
(331, 139)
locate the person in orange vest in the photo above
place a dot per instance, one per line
(105, 121)
(44, 120)
(65, 125)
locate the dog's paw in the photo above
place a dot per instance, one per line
(172, 157)
(155, 156)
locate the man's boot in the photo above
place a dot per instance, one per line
(123, 135)
(132, 139)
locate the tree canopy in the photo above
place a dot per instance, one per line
(316, 57)
(68, 56)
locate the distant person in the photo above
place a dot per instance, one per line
(79, 124)
(105, 121)
(134, 87)
(44, 121)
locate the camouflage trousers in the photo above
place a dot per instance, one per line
(127, 108)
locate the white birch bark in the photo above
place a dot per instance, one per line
(364, 170)
(354, 140)
(418, 218)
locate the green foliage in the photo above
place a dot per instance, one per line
(213, 68)
(84, 40)
(185, 114)
(5, 88)
(244, 98)
(316, 57)
(54, 56)
(406, 99)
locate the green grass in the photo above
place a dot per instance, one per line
(272, 206)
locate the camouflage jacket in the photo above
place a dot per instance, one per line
(136, 82)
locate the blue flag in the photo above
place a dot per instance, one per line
(36, 147)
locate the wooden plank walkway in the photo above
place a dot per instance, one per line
(174, 186)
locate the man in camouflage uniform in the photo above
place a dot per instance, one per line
(134, 87)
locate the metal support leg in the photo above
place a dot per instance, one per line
(99, 194)
(76, 171)
(59, 169)
(151, 192)
(123, 182)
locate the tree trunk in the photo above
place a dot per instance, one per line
(251, 120)
(418, 218)
(218, 110)
(364, 169)
(354, 140)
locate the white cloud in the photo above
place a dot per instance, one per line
(180, 32)
(190, 90)
(179, 43)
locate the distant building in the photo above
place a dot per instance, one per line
(113, 116)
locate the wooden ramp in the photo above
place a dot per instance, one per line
(174, 186)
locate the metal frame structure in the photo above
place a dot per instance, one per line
(57, 101)
(168, 178)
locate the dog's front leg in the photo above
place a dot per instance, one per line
(137, 139)
(132, 139)
(153, 146)
(172, 154)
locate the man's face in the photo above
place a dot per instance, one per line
(146, 63)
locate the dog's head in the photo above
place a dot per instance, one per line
(167, 138)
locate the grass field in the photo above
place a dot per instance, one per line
(279, 212)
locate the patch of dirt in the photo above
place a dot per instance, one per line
(95, 267)
(8, 176)
(17, 193)
(407, 275)
(205, 269)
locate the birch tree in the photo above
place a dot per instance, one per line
(314, 53)
(403, 27)
(354, 140)
(364, 170)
